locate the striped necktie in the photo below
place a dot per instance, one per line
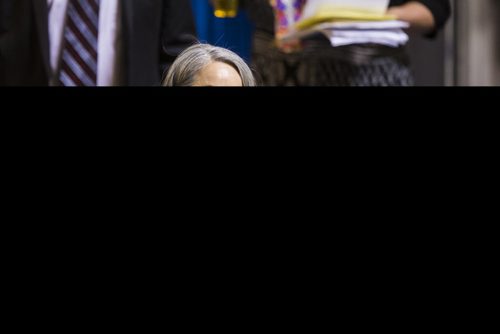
(79, 55)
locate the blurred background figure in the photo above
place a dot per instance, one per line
(207, 65)
(319, 64)
(91, 42)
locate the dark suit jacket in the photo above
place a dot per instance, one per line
(154, 33)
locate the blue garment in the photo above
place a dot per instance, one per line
(234, 34)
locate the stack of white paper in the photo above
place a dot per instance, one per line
(389, 33)
(346, 22)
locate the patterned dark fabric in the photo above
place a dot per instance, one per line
(318, 65)
(321, 65)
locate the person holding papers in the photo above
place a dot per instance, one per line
(339, 46)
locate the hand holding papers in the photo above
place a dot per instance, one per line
(346, 22)
(389, 33)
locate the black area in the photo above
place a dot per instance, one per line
(427, 60)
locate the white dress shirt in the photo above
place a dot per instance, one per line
(109, 62)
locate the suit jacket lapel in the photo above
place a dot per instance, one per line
(42, 17)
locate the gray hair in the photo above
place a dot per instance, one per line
(195, 58)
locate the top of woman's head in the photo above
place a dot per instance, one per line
(208, 65)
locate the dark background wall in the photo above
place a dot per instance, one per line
(428, 60)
